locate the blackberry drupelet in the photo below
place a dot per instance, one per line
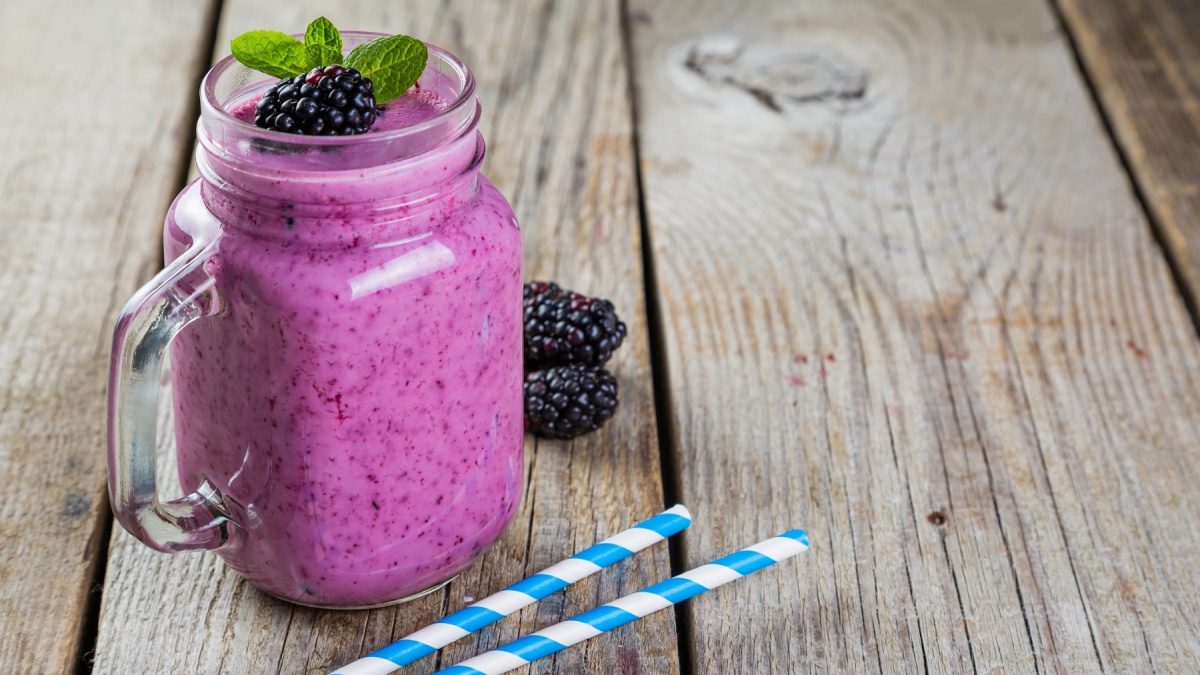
(566, 401)
(563, 326)
(326, 101)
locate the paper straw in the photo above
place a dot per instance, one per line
(633, 607)
(521, 594)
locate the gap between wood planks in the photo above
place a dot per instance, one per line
(668, 462)
(90, 624)
(90, 629)
(1156, 225)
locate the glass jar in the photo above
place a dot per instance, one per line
(344, 318)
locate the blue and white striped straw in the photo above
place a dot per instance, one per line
(633, 607)
(521, 594)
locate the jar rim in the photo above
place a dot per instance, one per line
(212, 108)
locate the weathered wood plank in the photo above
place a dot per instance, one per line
(910, 303)
(557, 118)
(87, 166)
(1143, 60)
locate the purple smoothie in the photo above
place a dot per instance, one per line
(357, 399)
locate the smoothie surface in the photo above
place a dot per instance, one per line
(414, 107)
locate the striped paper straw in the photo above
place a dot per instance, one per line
(521, 594)
(634, 606)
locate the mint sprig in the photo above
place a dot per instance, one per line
(322, 32)
(392, 63)
(270, 51)
(323, 42)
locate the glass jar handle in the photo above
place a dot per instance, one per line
(175, 297)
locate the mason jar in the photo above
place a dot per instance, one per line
(344, 321)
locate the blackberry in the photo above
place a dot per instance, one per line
(563, 326)
(566, 401)
(326, 101)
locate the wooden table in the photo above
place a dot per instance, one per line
(920, 277)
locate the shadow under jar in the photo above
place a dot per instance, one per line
(344, 319)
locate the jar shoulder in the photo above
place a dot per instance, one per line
(189, 219)
(469, 242)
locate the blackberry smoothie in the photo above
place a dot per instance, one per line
(353, 398)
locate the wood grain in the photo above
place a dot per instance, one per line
(87, 168)
(553, 84)
(910, 303)
(1143, 60)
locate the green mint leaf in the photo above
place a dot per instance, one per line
(322, 32)
(322, 55)
(271, 52)
(392, 63)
